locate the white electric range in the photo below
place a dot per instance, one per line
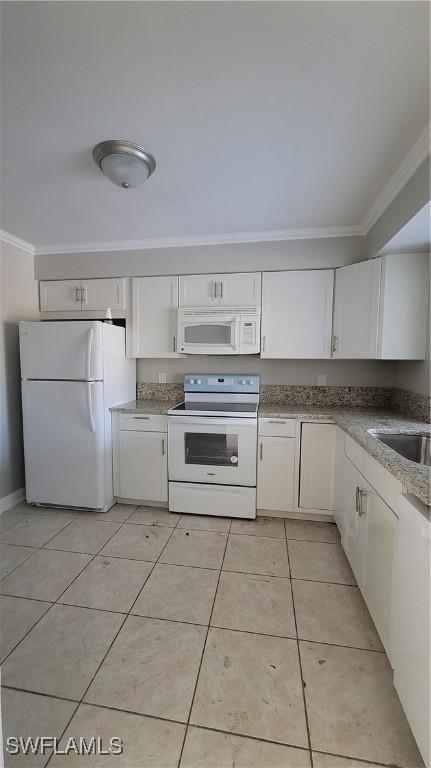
(212, 446)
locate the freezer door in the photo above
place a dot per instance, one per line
(61, 350)
(64, 444)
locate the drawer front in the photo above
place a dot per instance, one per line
(141, 422)
(277, 427)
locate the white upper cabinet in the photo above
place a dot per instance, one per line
(60, 295)
(96, 295)
(109, 293)
(230, 290)
(404, 316)
(381, 308)
(356, 310)
(152, 328)
(297, 314)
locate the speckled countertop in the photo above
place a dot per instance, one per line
(149, 407)
(354, 421)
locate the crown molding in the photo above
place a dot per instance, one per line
(220, 239)
(6, 237)
(414, 158)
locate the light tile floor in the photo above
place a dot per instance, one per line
(201, 642)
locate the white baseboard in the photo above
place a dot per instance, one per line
(7, 502)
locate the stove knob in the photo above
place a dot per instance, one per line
(199, 381)
(191, 381)
(243, 381)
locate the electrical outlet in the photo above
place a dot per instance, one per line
(162, 377)
(321, 380)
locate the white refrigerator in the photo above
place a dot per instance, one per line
(72, 373)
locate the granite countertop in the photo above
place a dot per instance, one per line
(149, 407)
(356, 422)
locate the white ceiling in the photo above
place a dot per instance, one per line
(262, 116)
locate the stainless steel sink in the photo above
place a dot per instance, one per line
(415, 447)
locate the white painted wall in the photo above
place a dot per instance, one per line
(411, 198)
(316, 253)
(18, 301)
(302, 372)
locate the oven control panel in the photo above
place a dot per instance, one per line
(219, 382)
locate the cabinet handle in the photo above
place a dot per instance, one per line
(84, 294)
(360, 509)
(357, 499)
(77, 294)
(335, 343)
(214, 289)
(163, 446)
(175, 344)
(276, 421)
(141, 417)
(263, 343)
(221, 289)
(261, 451)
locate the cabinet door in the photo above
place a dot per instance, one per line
(316, 486)
(154, 317)
(143, 465)
(380, 522)
(353, 530)
(106, 293)
(297, 314)
(356, 310)
(239, 290)
(60, 295)
(199, 290)
(339, 512)
(275, 473)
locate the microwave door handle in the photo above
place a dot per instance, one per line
(237, 325)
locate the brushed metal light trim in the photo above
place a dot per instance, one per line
(121, 147)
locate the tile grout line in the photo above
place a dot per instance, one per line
(204, 647)
(304, 701)
(54, 602)
(81, 700)
(206, 728)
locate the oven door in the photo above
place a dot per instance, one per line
(206, 334)
(212, 450)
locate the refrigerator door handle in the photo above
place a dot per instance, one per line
(90, 407)
(89, 350)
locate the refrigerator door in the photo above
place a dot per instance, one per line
(68, 350)
(64, 443)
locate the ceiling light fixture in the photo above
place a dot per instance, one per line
(126, 164)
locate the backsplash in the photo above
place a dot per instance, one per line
(148, 391)
(400, 400)
(412, 404)
(352, 397)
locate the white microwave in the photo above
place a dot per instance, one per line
(219, 331)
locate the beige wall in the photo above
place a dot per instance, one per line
(305, 372)
(18, 301)
(412, 197)
(238, 257)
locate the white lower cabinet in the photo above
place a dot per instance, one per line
(276, 465)
(368, 539)
(317, 468)
(412, 618)
(353, 529)
(140, 459)
(380, 529)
